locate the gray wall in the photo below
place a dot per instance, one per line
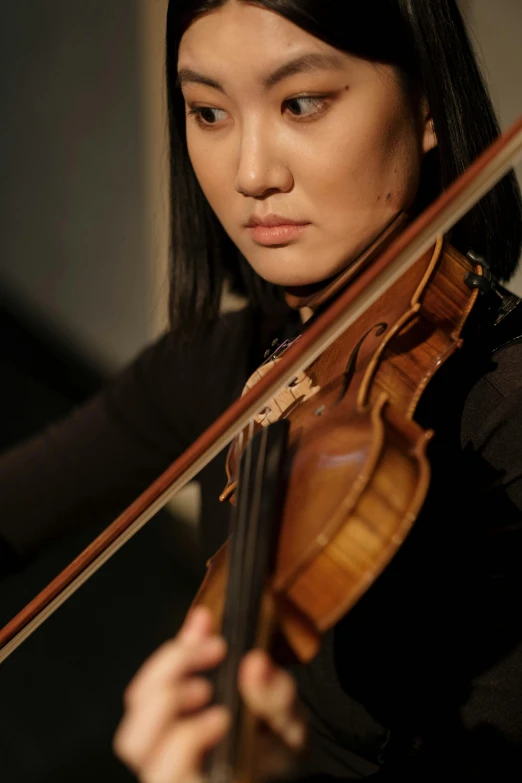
(496, 28)
(72, 213)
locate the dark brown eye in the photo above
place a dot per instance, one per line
(204, 117)
(300, 105)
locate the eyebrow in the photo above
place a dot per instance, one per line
(306, 62)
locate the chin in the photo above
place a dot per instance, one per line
(302, 263)
(290, 279)
(296, 274)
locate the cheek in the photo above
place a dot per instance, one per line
(367, 172)
(199, 157)
(366, 156)
(212, 173)
(399, 162)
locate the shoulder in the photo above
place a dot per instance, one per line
(506, 376)
(494, 401)
(203, 353)
(491, 422)
(493, 386)
(199, 377)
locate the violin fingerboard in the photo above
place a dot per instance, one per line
(254, 525)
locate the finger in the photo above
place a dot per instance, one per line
(271, 694)
(178, 756)
(140, 730)
(198, 623)
(176, 661)
(197, 626)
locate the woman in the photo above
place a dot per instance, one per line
(337, 117)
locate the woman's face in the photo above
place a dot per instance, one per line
(287, 125)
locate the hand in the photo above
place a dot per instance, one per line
(165, 731)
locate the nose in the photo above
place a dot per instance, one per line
(261, 169)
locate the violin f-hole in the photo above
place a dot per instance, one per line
(379, 329)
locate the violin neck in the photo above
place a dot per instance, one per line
(254, 526)
(248, 612)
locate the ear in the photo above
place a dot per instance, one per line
(429, 138)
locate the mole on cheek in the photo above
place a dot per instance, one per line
(388, 196)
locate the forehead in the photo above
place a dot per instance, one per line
(242, 37)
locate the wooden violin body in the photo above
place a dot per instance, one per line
(357, 467)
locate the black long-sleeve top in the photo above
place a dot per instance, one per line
(423, 677)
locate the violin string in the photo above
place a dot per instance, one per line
(220, 761)
(249, 552)
(239, 451)
(243, 540)
(253, 568)
(233, 538)
(225, 691)
(235, 630)
(235, 544)
(239, 548)
(245, 619)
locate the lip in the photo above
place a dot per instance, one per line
(275, 229)
(272, 221)
(276, 235)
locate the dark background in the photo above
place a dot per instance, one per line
(60, 692)
(73, 310)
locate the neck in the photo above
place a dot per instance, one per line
(316, 294)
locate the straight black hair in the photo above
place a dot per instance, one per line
(428, 42)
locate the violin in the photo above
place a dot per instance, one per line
(327, 467)
(330, 477)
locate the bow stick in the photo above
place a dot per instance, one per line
(371, 284)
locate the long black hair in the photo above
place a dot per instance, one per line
(427, 41)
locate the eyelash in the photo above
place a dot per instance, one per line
(321, 100)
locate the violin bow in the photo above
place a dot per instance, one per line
(416, 239)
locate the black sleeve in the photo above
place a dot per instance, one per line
(89, 466)
(492, 715)
(473, 721)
